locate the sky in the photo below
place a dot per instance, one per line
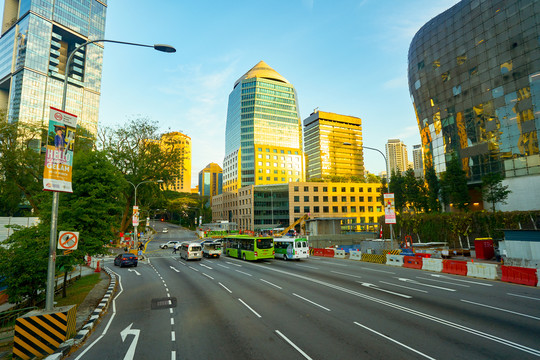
(346, 57)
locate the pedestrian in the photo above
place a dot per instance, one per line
(175, 247)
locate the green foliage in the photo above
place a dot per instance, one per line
(414, 193)
(493, 191)
(397, 186)
(433, 189)
(454, 185)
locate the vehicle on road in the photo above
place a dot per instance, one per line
(289, 248)
(249, 247)
(165, 230)
(126, 259)
(169, 244)
(190, 251)
(211, 249)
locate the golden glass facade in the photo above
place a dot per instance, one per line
(333, 145)
(210, 180)
(263, 139)
(182, 182)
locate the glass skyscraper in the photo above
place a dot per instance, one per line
(37, 37)
(474, 79)
(263, 138)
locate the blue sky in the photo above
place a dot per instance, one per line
(347, 57)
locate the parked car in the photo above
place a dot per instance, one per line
(169, 244)
(126, 259)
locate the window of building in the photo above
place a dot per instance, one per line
(315, 209)
(268, 178)
(335, 209)
(325, 198)
(361, 199)
(297, 209)
(267, 150)
(275, 157)
(268, 171)
(275, 150)
(370, 209)
(275, 179)
(281, 151)
(370, 199)
(296, 188)
(283, 179)
(259, 149)
(353, 209)
(316, 199)
(351, 189)
(371, 219)
(379, 208)
(343, 199)
(343, 189)
(297, 199)
(260, 177)
(268, 157)
(344, 209)
(353, 198)
(325, 209)
(259, 156)
(325, 189)
(306, 188)
(306, 210)
(334, 189)
(362, 209)
(369, 189)
(334, 198)
(315, 189)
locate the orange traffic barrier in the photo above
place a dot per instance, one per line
(519, 275)
(318, 252)
(413, 262)
(455, 267)
(98, 269)
(328, 252)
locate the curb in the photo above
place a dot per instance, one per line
(94, 318)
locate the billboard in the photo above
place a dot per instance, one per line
(389, 209)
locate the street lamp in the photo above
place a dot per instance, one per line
(135, 202)
(49, 296)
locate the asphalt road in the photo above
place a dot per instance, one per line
(319, 308)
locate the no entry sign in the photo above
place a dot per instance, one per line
(68, 240)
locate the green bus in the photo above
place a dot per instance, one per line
(249, 247)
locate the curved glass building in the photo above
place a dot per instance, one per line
(263, 136)
(474, 79)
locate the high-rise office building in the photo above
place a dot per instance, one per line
(333, 145)
(37, 38)
(182, 142)
(210, 180)
(396, 155)
(474, 77)
(263, 138)
(418, 162)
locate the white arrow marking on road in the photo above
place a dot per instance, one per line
(467, 281)
(136, 272)
(372, 286)
(175, 269)
(419, 283)
(127, 331)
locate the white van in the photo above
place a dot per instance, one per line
(190, 251)
(211, 249)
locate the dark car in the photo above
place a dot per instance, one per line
(126, 259)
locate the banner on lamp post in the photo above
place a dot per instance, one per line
(59, 154)
(389, 209)
(135, 218)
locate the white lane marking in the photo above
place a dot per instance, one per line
(383, 271)
(192, 268)
(170, 310)
(268, 282)
(372, 286)
(206, 266)
(245, 273)
(173, 336)
(411, 311)
(442, 281)
(168, 294)
(175, 269)
(394, 341)
(208, 276)
(293, 345)
(523, 296)
(166, 288)
(253, 311)
(419, 283)
(223, 286)
(309, 301)
(466, 281)
(226, 267)
(307, 266)
(333, 263)
(405, 287)
(173, 355)
(172, 321)
(136, 272)
(163, 281)
(340, 273)
(231, 263)
(496, 308)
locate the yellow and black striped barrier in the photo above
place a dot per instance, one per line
(379, 259)
(392, 252)
(40, 333)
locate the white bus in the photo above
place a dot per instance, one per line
(288, 248)
(190, 251)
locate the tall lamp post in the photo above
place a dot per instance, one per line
(135, 202)
(49, 296)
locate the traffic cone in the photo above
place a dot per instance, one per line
(98, 268)
(88, 260)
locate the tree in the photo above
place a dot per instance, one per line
(397, 187)
(433, 189)
(493, 191)
(454, 184)
(414, 191)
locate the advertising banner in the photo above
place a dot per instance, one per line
(389, 209)
(135, 218)
(59, 154)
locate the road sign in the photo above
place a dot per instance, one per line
(68, 240)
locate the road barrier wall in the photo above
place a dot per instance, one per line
(481, 270)
(412, 262)
(328, 252)
(318, 252)
(355, 255)
(519, 275)
(432, 264)
(394, 260)
(455, 267)
(340, 254)
(378, 259)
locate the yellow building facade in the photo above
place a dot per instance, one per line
(181, 182)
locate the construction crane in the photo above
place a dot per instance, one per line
(281, 233)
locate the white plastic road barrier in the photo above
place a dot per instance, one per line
(340, 254)
(355, 255)
(394, 260)
(432, 264)
(481, 270)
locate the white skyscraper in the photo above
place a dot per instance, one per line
(396, 154)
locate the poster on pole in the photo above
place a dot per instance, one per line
(59, 154)
(135, 218)
(389, 209)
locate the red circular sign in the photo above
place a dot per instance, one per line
(68, 240)
(58, 116)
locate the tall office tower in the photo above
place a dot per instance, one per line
(396, 155)
(333, 145)
(418, 162)
(474, 77)
(37, 38)
(182, 182)
(263, 138)
(211, 180)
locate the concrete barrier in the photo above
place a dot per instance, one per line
(394, 260)
(355, 255)
(432, 264)
(456, 267)
(318, 252)
(328, 252)
(412, 262)
(519, 275)
(340, 254)
(480, 270)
